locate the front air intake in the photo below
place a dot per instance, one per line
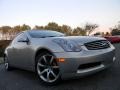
(89, 65)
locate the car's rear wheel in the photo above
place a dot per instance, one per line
(6, 63)
(48, 68)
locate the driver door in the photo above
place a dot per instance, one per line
(21, 51)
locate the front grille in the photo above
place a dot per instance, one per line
(96, 45)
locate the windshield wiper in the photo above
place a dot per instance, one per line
(47, 36)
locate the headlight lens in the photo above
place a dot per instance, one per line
(69, 46)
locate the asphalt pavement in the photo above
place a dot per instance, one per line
(108, 79)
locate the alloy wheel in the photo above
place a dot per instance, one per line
(48, 69)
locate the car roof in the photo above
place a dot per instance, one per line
(41, 30)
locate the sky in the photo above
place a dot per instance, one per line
(105, 13)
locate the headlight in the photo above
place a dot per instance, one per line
(69, 46)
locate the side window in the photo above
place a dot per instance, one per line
(19, 36)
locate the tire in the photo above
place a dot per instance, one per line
(47, 69)
(6, 63)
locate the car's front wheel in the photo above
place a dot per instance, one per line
(48, 69)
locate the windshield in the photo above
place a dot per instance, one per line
(44, 34)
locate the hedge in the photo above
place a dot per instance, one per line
(3, 45)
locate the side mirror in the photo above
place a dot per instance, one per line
(23, 40)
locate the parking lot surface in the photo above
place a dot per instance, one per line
(108, 79)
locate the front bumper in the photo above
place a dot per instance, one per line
(73, 60)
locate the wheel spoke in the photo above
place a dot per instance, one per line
(51, 60)
(44, 58)
(45, 70)
(41, 65)
(53, 73)
(48, 75)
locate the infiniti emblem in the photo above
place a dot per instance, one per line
(103, 43)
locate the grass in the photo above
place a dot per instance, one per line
(1, 60)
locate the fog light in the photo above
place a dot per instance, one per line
(114, 58)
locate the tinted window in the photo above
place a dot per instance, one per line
(44, 33)
(19, 36)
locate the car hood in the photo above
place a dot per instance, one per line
(82, 39)
(77, 39)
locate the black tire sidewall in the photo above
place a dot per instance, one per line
(41, 81)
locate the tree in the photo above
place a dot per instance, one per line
(4, 31)
(52, 26)
(10, 32)
(97, 33)
(66, 29)
(25, 27)
(90, 28)
(38, 27)
(107, 34)
(16, 29)
(79, 31)
(116, 29)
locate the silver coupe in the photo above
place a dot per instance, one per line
(55, 56)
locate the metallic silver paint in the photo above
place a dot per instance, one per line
(22, 54)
